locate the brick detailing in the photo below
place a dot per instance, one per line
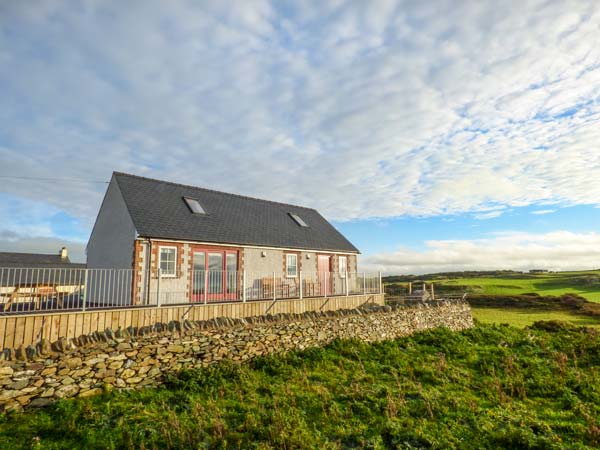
(298, 259)
(155, 257)
(140, 357)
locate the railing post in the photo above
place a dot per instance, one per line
(346, 282)
(300, 281)
(205, 277)
(274, 295)
(244, 286)
(158, 288)
(85, 277)
(380, 285)
(364, 283)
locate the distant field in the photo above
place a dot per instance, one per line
(584, 283)
(524, 317)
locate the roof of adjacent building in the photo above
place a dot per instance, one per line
(9, 259)
(158, 210)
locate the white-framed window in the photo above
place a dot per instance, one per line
(168, 261)
(291, 265)
(343, 263)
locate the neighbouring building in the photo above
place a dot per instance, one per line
(31, 280)
(196, 245)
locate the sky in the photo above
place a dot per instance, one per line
(441, 135)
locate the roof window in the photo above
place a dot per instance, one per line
(298, 220)
(194, 205)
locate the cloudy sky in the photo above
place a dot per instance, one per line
(440, 135)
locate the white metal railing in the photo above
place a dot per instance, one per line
(62, 289)
(30, 290)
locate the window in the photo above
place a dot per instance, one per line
(194, 205)
(298, 220)
(231, 267)
(343, 265)
(168, 261)
(215, 274)
(291, 265)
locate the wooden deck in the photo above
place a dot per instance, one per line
(18, 330)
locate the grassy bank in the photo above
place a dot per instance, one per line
(489, 387)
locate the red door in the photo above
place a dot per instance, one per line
(323, 269)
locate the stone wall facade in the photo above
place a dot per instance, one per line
(138, 358)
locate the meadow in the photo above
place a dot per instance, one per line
(505, 296)
(583, 283)
(488, 387)
(522, 317)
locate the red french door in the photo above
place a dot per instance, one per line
(323, 271)
(214, 275)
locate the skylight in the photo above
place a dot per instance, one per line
(194, 205)
(298, 220)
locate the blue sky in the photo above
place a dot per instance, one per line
(436, 135)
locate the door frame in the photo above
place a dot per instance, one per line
(223, 295)
(324, 282)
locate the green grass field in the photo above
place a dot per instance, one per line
(526, 317)
(489, 387)
(584, 283)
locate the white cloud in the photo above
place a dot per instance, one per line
(401, 108)
(560, 250)
(489, 215)
(542, 212)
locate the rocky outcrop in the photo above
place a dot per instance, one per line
(139, 357)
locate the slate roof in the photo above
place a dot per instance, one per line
(8, 259)
(158, 210)
(25, 268)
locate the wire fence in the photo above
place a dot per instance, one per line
(34, 290)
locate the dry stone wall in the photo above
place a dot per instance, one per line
(138, 358)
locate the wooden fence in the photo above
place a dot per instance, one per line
(19, 330)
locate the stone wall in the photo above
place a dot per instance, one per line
(137, 358)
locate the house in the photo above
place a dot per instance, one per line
(32, 280)
(190, 244)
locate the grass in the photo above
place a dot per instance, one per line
(583, 283)
(523, 317)
(488, 387)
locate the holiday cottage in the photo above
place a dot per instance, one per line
(189, 244)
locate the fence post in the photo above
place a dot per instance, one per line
(300, 281)
(274, 295)
(85, 286)
(364, 283)
(432, 292)
(380, 285)
(205, 286)
(158, 288)
(346, 282)
(244, 286)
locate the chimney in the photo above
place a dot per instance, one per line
(63, 253)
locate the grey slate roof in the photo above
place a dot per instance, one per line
(8, 259)
(158, 211)
(25, 268)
